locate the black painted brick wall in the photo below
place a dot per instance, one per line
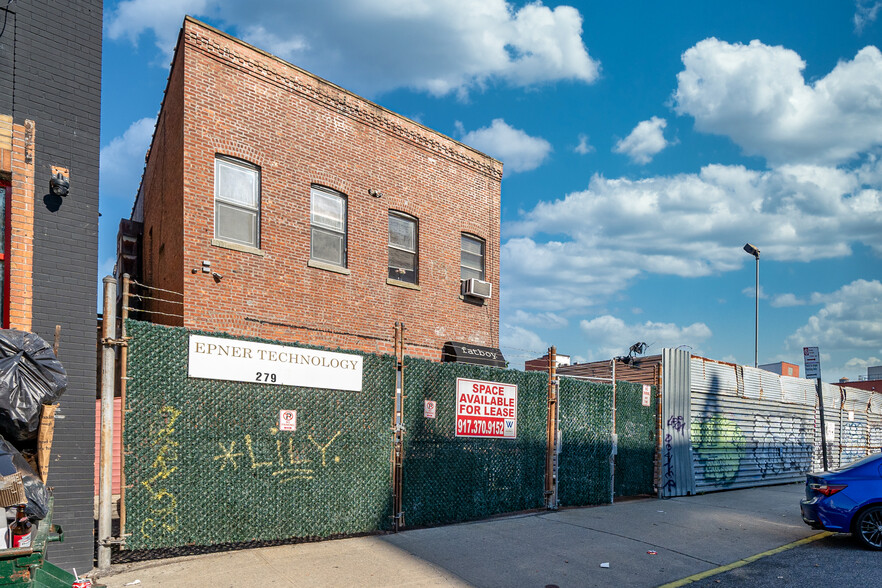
(57, 84)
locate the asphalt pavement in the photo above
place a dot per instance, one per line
(643, 542)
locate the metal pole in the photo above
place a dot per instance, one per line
(398, 431)
(105, 458)
(550, 426)
(756, 316)
(123, 377)
(823, 424)
(615, 440)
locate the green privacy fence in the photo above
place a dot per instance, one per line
(636, 426)
(206, 463)
(449, 478)
(585, 442)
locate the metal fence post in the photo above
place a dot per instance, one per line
(398, 430)
(615, 440)
(105, 469)
(123, 378)
(551, 430)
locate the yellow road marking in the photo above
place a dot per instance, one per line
(745, 561)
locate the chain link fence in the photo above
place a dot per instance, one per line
(448, 478)
(585, 443)
(636, 426)
(207, 464)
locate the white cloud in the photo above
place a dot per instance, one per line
(548, 320)
(372, 46)
(584, 147)
(851, 319)
(787, 300)
(611, 336)
(756, 95)
(860, 362)
(750, 292)
(645, 141)
(865, 13)
(517, 150)
(578, 252)
(519, 344)
(122, 160)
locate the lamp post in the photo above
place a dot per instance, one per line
(756, 253)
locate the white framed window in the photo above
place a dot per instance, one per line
(403, 248)
(327, 217)
(236, 202)
(471, 257)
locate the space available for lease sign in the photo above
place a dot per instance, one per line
(486, 409)
(214, 358)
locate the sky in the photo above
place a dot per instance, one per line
(644, 144)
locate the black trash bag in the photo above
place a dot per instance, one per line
(12, 461)
(30, 376)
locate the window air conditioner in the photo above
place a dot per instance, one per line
(477, 288)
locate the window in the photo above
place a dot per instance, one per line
(471, 258)
(236, 202)
(403, 251)
(328, 219)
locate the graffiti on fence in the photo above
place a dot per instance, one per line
(719, 445)
(781, 445)
(853, 441)
(283, 461)
(678, 424)
(163, 504)
(875, 439)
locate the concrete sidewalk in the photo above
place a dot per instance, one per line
(564, 548)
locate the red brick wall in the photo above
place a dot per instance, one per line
(163, 206)
(17, 161)
(301, 130)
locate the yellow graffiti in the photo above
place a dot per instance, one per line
(324, 448)
(163, 503)
(228, 455)
(277, 457)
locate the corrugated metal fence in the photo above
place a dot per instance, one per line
(738, 426)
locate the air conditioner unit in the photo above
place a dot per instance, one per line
(477, 288)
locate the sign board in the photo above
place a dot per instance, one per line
(214, 358)
(647, 394)
(287, 420)
(429, 409)
(812, 362)
(486, 409)
(830, 429)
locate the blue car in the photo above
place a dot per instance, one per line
(848, 500)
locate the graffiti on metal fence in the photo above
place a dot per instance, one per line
(719, 444)
(854, 441)
(678, 423)
(781, 445)
(163, 504)
(281, 459)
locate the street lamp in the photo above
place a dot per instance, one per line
(755, 252)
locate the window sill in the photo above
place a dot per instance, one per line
(237, 247)
(401, 284)
(328, 267)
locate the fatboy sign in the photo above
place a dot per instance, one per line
(213, 358)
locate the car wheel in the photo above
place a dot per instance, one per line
(868, 527)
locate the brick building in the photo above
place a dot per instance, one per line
(282, 206)
(50, 85)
